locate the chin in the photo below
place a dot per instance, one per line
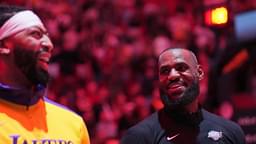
(183, 98)
(43, 77)
(39, 76)
(175, 96)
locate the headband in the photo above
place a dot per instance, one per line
(19, 22)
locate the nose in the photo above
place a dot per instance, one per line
(46, 44)
(173, 75)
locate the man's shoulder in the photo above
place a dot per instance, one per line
(55, 108)
(149, 123)
(213, 122)
(144, 131)
(213, 118)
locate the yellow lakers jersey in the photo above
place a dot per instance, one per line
(42, 123)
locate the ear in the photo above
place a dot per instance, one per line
(200, 72)
(3, 48)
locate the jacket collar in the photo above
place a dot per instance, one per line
(20, 96)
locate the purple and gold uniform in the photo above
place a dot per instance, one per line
(26, 116)
(43, 122)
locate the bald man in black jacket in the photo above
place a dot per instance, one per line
(182, 120)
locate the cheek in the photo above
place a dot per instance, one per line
(163, 79)
(30, 44)
(189, 78)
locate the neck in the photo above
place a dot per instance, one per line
(21, 96)
(192, 107)
(187, 109)
(190, 114)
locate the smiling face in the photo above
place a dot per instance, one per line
(32, 50)
(179, 74)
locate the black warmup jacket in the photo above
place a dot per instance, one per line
(200, 128)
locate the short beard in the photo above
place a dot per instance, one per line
(187, 97)
(26, 60)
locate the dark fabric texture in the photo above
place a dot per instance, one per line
(163, 128)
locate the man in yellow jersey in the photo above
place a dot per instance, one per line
(26, 115)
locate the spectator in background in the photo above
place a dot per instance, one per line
(28, 116)
(182, 120)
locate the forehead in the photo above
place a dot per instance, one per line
(37, 27)
(174, 56)
(30, 29)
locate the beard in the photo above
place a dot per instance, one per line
(188, 96)
(26, 61)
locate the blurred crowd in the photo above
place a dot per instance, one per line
(105, 58)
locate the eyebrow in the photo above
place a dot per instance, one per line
(163, 67)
